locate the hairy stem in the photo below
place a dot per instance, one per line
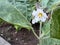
(40, 33)
(35, 34)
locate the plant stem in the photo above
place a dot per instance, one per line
(40, 33)
(40, 28)
(35, 34)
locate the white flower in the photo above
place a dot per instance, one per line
(39, 15)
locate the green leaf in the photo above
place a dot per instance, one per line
(46, 29)
(17, 27)
(1, 21)
(26, 8)
(46, 40)
(43, 3)
(52, 4)
(11, 14)
(50, 41)
(49, 4)
(55, 24)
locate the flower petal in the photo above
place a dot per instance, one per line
(45, 15)
(34, 13)
(39, 11)
(37, 19)
(33, 21)
(43, 19)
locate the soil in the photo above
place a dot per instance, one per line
(22, 37)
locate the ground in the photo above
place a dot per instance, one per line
(22, 37)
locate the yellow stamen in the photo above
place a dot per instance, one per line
(40, 15)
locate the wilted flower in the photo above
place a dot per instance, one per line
(39, 15)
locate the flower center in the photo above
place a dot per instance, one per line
(40, 15)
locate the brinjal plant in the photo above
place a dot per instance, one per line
(21, 12)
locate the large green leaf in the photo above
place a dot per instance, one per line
(12, 15)
(50, 41)
(25, 9)
(49, 4)
(43, 3)
(46, 40)
(25, 6)
(46, 27)
(55, 23)
(52, 4)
